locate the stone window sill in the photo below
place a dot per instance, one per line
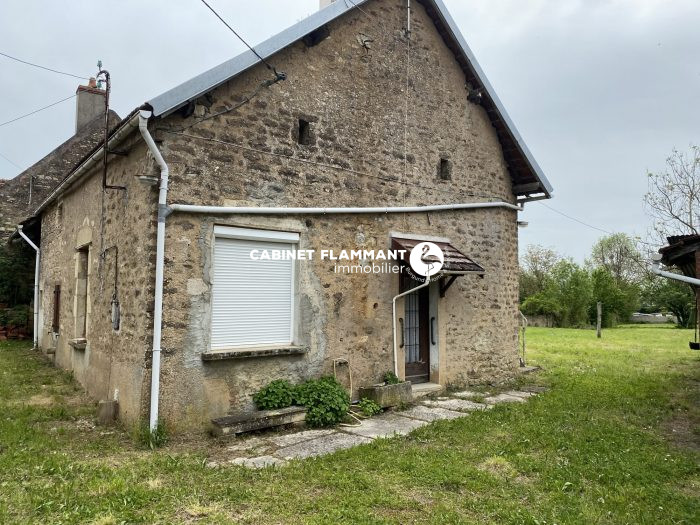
(260, 351)
(78, 344)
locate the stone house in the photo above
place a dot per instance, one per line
(355, 133)
(21, 195)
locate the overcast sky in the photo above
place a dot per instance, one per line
(601, 90)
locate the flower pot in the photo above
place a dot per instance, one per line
(387, 396)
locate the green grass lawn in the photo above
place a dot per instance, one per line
(614, 440)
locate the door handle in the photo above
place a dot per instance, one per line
(432, 331)
(402, 334)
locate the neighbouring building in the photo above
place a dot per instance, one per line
(683, 253)
(21, 195)
(350, 110)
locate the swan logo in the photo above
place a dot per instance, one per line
(427, 259)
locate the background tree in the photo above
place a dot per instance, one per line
(673, 199)
(620, 298)
(566, 295)
(535, 270)
(618, 254)
(16, 274)
(661, 295)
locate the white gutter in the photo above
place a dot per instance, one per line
(37, 257)
(393, 319)
(676, 277)
(160, 257)
(228, 210)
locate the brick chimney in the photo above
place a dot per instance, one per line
(326, 3)
(89, 104)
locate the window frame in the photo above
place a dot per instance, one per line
(256, 234)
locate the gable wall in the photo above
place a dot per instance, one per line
(356, 100)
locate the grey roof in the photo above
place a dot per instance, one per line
(526, 173)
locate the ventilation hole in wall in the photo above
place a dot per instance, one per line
(316, 37)
(445, 169)
(376, 305)
(304, 132)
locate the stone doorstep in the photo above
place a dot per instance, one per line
(421, 390)
(226, 426)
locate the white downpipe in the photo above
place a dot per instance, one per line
(160, 257)
(228, 210)
(393, 319)
(37, 257)
(658, 271)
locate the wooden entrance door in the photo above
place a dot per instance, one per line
(416, 335)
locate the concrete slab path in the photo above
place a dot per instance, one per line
(277, 449)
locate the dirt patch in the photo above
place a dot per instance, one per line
(40, 400)
(682, 428)
(500, 468)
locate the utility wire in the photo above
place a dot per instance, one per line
(11, 162)
(240, 38)
(35, 111)
(246, 99)
(575, 219)
(586, 224)
(43, 67)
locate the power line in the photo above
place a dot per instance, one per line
(36, 111)
(575, 219)
(43, 67)
(240, 37)
(11, 162)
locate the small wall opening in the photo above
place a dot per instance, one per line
(445, 169)
(304, 132)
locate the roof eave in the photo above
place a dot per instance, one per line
(456, 34)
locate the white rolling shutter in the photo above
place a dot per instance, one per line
(252, 300)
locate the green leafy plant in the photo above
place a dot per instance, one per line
(18, 316)
(278, 394)
(391, 379)
(325, 399)
(369, 407)
(155, 438)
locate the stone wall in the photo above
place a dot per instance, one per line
(114, 363)
(364, 149)
(354, 97)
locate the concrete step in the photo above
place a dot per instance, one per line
(425, 389)
(240, 423)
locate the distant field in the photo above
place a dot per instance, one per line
(616, 439)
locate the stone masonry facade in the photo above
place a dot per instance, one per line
(375, 139)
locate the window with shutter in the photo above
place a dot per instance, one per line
(56, 322)
(253, 301)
